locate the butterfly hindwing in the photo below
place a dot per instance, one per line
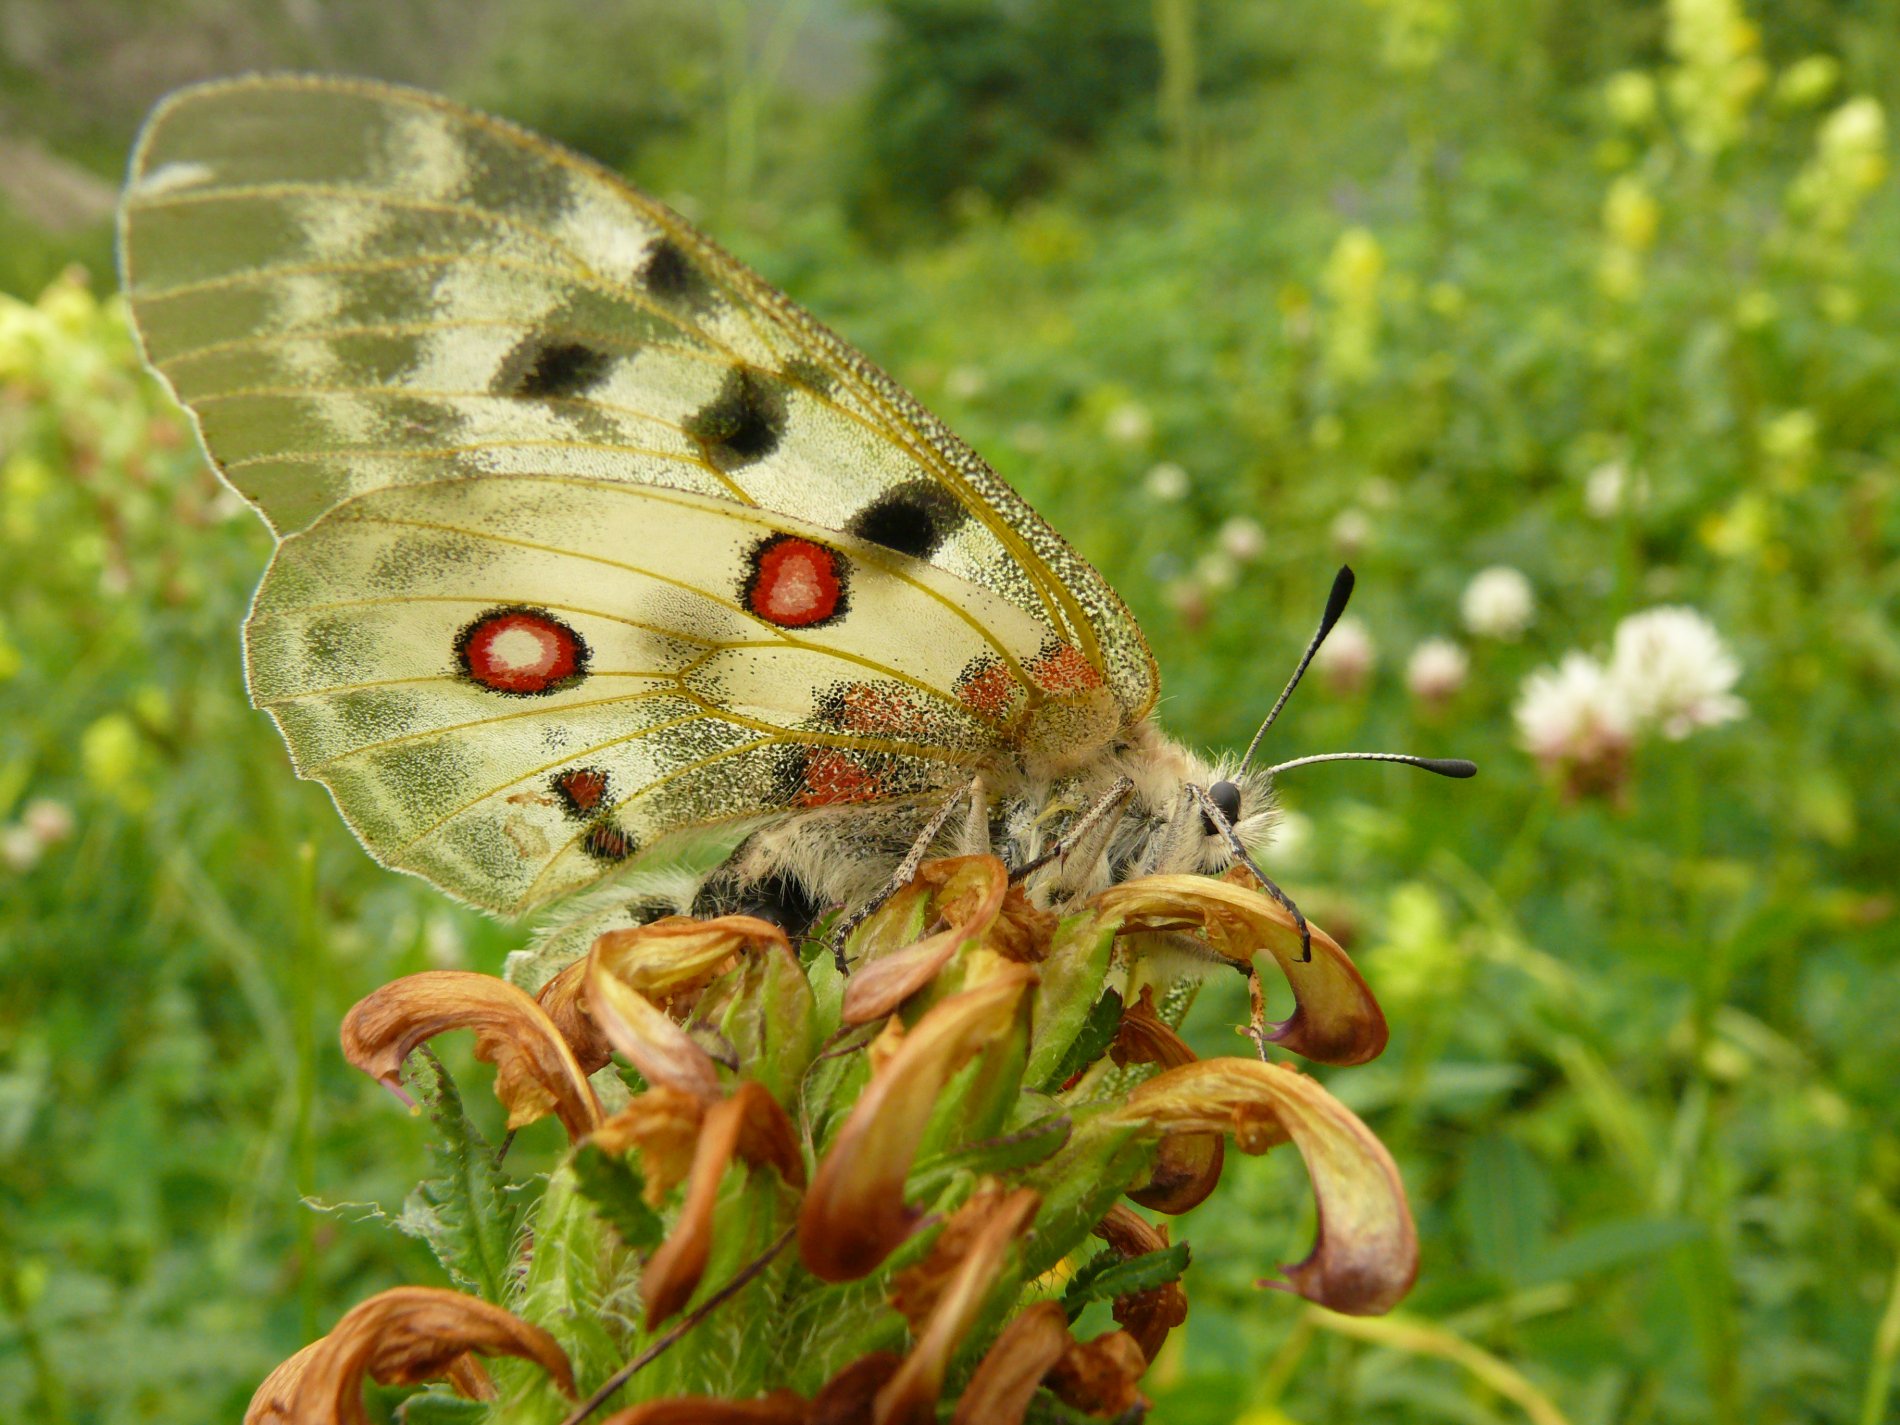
(376, 301)
(513, 683)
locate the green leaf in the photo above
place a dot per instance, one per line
(1091, 1041)
(614, 1186)
(1021, 1148)
(1108, 1275)
(1610, 1244)
(1504, 1205)
(464, 1215)
(1069, 998)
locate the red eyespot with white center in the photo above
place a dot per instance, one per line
(794, 583)
(522, 651)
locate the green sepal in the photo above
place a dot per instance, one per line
(616, 1189)
(1108, 1275)
(1069, 993)
(1010, 1152)
(464, 1215)
(1090, 1043)
(439, 1407)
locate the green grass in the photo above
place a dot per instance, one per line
(1644, 1053)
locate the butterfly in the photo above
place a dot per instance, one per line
(588, 539)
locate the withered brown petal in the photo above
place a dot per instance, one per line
(398, 1337)
(1006, 1378)
(1367, 1253)
(663, 1052)
(678, 954)
(847, 1397)
(751, 1122)
(781, 1407)
(915, 1291)
(1149, 1315)
(1100, 1376)
(664, 1125)
(1335, 1019)
(969, 892)
(1187, 1165)
(910, 1396)
(565, 999)
(535, 1072)
(855, 1214)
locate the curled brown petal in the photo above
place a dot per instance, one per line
(1187, 1165)
(969, 893)
(915, 1291)
(535, 1072)
(1367, 1253)
(1100, 1376)
(1335, 1019)
(751, 1122)
(663, 1052)
(846, 1398)
(399, 1337)
(781, 1407)
(910, 1396)
(1006, 1378)
(1149, 1315)
(664, 1125)
(855, 1214)
(679, 954)
(565, 999)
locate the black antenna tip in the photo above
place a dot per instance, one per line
(1449, 766)
(1336, 600)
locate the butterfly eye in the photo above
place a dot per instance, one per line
(1226, 798)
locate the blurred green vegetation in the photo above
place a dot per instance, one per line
(1607, 294)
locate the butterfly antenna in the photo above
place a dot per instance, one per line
(1335, 606)
(1443, 766)
(1223, 828)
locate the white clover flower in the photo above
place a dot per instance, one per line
(1498, 603)
(1167, 482)
(1672, 669)
(1243, 539)
(1352, 530)
(1574, 718)
(1436, 670)
(50, 822)
(1607, 487)
(19, 848)
(1130, 424)
(1216, 572)
(966, 382)
(442, 942)
(1346, 659)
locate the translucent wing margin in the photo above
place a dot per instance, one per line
(359, 288)
(511, 684)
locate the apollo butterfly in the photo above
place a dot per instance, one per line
(589, 539)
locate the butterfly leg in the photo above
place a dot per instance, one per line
(902, 876)
(1094, 825)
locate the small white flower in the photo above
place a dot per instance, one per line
(1673, 669)
(442, 942)
(1167, 482)
(1574, 714)
(19, 848)
(1130, 424)
(1352, 530)
(965, 382)
(1215, 572)
(1243, 539)
(1436, 670)
(1498, 603)
(50, 822)
(1606, 487)
(1347, 657)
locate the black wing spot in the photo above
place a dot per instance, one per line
(669, 275)
(743, 423)
(605, 841)
(913, 519)
(541, 368)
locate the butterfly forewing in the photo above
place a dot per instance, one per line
(421, 341)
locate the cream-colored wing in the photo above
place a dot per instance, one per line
(511, 684)
(358, 288)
